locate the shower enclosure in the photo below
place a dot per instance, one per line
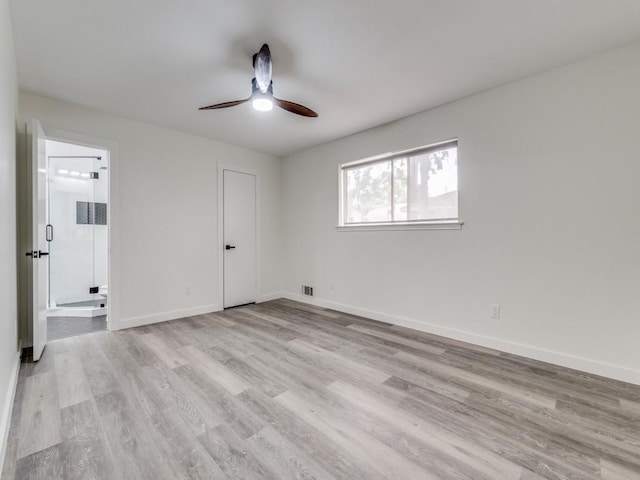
(77, 230)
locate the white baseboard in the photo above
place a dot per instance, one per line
(78, 312)
(164, 316)
(608, 370)
(5, 420)
(270, 296)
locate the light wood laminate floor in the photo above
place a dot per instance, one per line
(282, 390)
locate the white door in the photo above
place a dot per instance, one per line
(40, 252)
(239, 237)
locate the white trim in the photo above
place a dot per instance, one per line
(267, 297)
(604, 369)
(220, 242)
(79, 312)
(166, 316)
(249, 171)
(376, 227)
(113, 214)
(5, 420)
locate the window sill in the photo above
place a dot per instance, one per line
(444, 225)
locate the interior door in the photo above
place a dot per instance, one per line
(239, 235)
(39, 254)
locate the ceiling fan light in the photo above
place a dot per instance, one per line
(262, 104)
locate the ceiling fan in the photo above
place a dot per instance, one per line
(262, 89)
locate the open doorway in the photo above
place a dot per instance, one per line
(77, 233)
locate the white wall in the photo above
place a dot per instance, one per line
(9, 350)
(167, 184)
(549, 193)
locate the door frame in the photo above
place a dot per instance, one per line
(249, 171)
(113, 297)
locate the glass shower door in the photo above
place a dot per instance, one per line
(72, 263)
(100, 230)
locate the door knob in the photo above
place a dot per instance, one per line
(229, 247)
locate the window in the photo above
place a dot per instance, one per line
(415, 187)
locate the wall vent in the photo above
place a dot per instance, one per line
(306, 290)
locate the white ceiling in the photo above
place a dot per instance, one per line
(358, 63)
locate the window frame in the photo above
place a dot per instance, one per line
(436, 224)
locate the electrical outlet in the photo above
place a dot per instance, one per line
(495, 311)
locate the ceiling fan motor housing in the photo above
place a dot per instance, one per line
(255, 89)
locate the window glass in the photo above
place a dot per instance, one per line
(419, 186)
(369, 193)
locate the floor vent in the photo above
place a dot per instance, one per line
(306, 290)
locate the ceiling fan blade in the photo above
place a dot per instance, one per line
(263, 68)
(225, 104)
(295, 108)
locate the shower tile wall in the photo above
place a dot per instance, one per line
(91, 213)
